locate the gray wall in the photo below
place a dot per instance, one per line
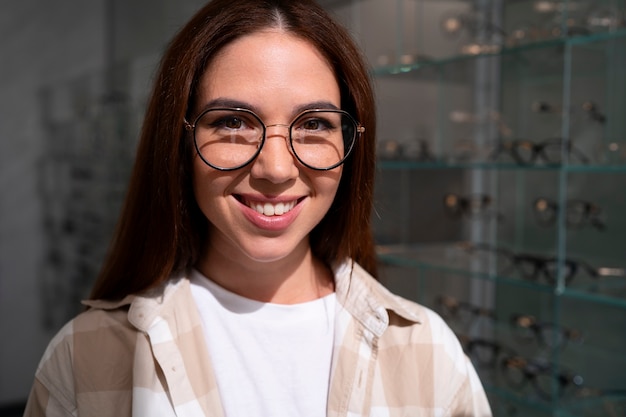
(41, 43)
(46, 47)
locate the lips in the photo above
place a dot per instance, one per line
(272, 214)
(269, 207)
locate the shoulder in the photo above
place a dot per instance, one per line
(108, 331)
(427, 330)
(406, 321)
(398, 307)
(419, 355)
(98, 342)
(86, 325)
(88, 346)
(86, 339)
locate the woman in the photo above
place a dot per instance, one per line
(239, 282)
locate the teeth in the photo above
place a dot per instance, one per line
(268, 209)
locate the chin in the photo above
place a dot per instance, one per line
(273, 250)
(266, 257)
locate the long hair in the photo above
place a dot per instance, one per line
(161, 230)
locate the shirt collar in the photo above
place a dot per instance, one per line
(147, 306)
(368, 300)
(357, 291)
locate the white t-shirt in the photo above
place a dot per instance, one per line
(270, 360)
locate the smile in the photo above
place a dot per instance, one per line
(269, 209)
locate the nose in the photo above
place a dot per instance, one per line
(275, 163)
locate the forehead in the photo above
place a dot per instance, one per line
(270, 67)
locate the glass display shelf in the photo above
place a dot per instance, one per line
(473, 97)
(446, 259)
(424, 266)
(517, 400)
(605, 405)
(581, 294)
(390, 164)
(597, 39)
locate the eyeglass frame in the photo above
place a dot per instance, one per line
(538, 328)
(537, 151)
(532, 368)
(496, 351)
(451, 308)
(191, 127)
(457, 206)
(590, 212)
(540, 264)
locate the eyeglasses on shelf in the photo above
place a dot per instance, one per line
(533, 267)
(549, 151)
(577, 213)
(526, 328)
(541, 374)
(484, 353)
(589, 107)
(453, 309)
(473, 205)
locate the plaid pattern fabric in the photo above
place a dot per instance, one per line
(146, 356)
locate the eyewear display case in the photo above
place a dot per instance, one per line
(501, 190)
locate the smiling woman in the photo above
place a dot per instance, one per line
(251, 253)
(241, 278)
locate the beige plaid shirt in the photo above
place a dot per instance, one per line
(146, 356)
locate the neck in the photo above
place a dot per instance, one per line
(300, 278)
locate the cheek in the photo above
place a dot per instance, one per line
(200, 180)
(328, 184)
(206, 185)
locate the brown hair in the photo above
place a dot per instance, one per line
(161, 230)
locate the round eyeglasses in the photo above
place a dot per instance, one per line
(227, 139)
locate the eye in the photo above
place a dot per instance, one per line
(232, 122)
(315, 124)
(311, 124)
(228, 121)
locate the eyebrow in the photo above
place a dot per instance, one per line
(232, 103)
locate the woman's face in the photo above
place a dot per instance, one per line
(265, 211)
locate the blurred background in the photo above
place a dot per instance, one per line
(74, 76)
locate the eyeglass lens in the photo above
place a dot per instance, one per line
(231, 138)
